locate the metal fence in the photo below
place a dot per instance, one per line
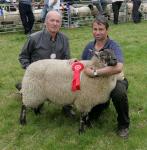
(75, 15)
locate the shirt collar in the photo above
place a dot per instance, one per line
(106, 44)
(49, 35)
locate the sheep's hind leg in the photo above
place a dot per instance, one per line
(23, 115)
(88, 122)
(84, 121)
(37, 110)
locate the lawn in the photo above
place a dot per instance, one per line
(52, 130)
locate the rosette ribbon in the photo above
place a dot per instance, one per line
(77, 67)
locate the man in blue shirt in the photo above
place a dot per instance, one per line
(119, 94)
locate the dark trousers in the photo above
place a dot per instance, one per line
(136, 15)
(26, 16)
(115, 7)
(120, 102)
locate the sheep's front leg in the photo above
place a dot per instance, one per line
(84, 121)
(23, 115)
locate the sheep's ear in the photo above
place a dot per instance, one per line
(92, 51)
(91, 7)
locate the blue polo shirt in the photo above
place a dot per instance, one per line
(110, 44)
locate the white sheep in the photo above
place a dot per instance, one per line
(51, 79)
(82, 11)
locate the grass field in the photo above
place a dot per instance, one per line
(52, 130)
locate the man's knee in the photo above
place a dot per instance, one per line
(120, 91)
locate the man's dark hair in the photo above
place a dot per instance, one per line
(101, 19)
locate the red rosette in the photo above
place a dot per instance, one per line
(77, 67)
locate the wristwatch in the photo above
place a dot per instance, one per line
(95, 73)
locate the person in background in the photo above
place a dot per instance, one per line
(48, 43)
(26, 15)
(119, 94)
(136, 14)
(98, 4)
(116, 4)
(49, 5)
(104, 5)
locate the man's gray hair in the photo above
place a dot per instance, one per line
(53, 11)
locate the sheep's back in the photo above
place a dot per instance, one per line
(51, 79)
(58, 82)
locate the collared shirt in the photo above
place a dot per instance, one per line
(110, 44)
(40, 46)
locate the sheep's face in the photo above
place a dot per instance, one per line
(106, 57)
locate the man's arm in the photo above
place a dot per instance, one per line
(53, 3)
(25, 55)
(106, 71)
(66, 48)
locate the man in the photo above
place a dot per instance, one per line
(98, 5)
(48, 43)
(116, 4)
(119, 94)
(26, 15)
(136, 14)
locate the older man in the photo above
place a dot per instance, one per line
(48, 43)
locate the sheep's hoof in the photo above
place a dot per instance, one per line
(81, 131)
(89, 125)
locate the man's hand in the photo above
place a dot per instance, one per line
(89, 71)
(72, 60)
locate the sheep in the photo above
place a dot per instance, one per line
(82, 11)
(14, 16)
(51, 79)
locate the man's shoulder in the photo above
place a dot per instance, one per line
(36, 33)
(62, 35)
(112, 42)
(90, 43)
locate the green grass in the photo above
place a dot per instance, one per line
(52, 130)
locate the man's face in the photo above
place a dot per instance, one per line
(53, 23)
(99, 31)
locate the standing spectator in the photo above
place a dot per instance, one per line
(116, 4)
(26, 15)
(97, 3)
(104, 5)
(49, 5)
(101, 6)
(48, 43)
(136, 14)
